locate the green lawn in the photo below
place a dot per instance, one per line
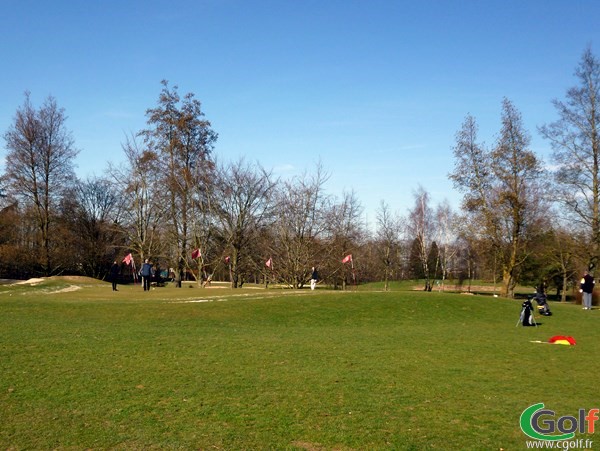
(272, 369)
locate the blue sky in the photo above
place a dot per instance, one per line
(375, 90)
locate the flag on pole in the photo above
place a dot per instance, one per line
(347, 258)
(196, 254)
(128, 259)
(269, 263)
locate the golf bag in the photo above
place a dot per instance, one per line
(526, 318)
(542, 302)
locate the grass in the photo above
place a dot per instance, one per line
(274, 369)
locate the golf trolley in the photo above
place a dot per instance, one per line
(526, 318)
(542, 303)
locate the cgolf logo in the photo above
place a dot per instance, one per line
(541, 424)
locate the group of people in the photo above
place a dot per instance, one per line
(146, 273)
(586, 288)
(586, 284)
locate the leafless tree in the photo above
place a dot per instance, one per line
(243, 205)
(205, 236)
(344, 234)
(445, 236)
(39, 166)
(90, 219)
(142, 209)
(420, 227)
(183, 141)
(501, 189)
(389, 229)
(517, 171)
(575, 139)
(298, 229)
(563, 252)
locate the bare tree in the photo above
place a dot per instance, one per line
(205, 231)
(39, 166)
(420, 227)
(502, 189)
(562, 253)
(469, 248)
(472, 167)
(183, 140)
(299, 227)
(575, 139)
(446, 236)
(91, 217)
(344, 234)
(137, 182)
(388, 241)
(517, 171)
(242, 205)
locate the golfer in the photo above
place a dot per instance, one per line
(313, 278)
(586, 286)
(146, 273)
(114, 275)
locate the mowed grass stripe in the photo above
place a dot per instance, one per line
(358, 370)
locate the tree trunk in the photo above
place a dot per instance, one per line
(508, 283)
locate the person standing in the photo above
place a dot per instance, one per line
(115, 269)
(313, 278)
(146, 273)
(586, 286)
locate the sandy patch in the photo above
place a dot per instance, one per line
(67, 289)
(29, 282)
(76, 279)
(248, 296)
(37, 281)
(459, 288)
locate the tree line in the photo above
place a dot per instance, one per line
(520, 221)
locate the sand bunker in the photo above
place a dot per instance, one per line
(29, 282)
(67, 289)
(37, 281)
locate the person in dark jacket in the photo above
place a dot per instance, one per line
(586, 286)
(115, 270)
(314, 278)
(146, 273)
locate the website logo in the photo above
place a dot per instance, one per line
(542, 424)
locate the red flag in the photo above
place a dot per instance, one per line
(269, 263)
(196, 254)
(347, 258)
(227, 260)
(127, 259)
(562, 340)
